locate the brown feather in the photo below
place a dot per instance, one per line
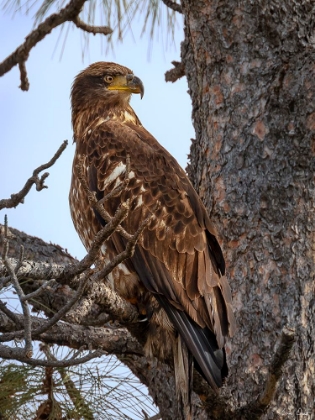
(177, 270)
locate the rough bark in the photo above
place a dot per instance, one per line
(250, 70)
(110, 338)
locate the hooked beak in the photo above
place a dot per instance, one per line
(129, 83)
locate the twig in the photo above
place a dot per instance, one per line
(20, 260)
(120, 187)
(65, 309)
(23, 75)
(155, 417)
(20, 55)
(38, 271)
(39, 291)
(127, 253)
(18, 198)
(105, 30)
(28, 348)
(18, 354)
(176, 73)
(52, 321)
(101, 236)
(97, 204)
(173, 5)
(73, 336)
(10, 314)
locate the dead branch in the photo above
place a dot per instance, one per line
(57, 317)
(28, 348)
(10, 314)
(18, 198)
(19, 354)
(176, 73)
(19, 57)
(39, 291)
(79, 276)
(64, 273)
(23, 75)
(105, 30)
(98, 204)
(109, 340)
(173, 5)
(113, 304)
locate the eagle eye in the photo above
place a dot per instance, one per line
(108, 79)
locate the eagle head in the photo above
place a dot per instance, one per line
(108, 82)
(102, 88)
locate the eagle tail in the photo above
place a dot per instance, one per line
(183, 366)
(201, 342)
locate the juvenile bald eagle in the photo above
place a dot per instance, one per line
(176, 274)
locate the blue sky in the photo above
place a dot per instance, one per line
(35, 123)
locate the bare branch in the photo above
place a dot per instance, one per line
(20, 55)
(39, 291)
(101, 236)
(38, 271)
(54, 319)
(10, 314)
(19, 354)
(105, 30)
(18, 198)
(28, 349)
(111, 341)
(173, 5)
(113, 304)
(120, 187)
(155, 417)
(97, 205)
(176, 73)
(23, 74)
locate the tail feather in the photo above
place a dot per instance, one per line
(183, 365)
(202, 344)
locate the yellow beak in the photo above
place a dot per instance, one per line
(129, 83)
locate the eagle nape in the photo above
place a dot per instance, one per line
(176, 274)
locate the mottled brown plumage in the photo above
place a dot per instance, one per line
(176, 275)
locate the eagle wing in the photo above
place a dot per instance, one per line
(178, 258)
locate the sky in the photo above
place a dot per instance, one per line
(35, 123)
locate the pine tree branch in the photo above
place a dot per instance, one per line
(176, 73)
(19, 354)
(105, 30)
(173, 5)
(18, 198)
(20, 55)
(10, 314)
(26, 332)
(109, 340)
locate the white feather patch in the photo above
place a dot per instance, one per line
(120, 169)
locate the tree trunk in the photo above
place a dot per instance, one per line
(250, 70)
